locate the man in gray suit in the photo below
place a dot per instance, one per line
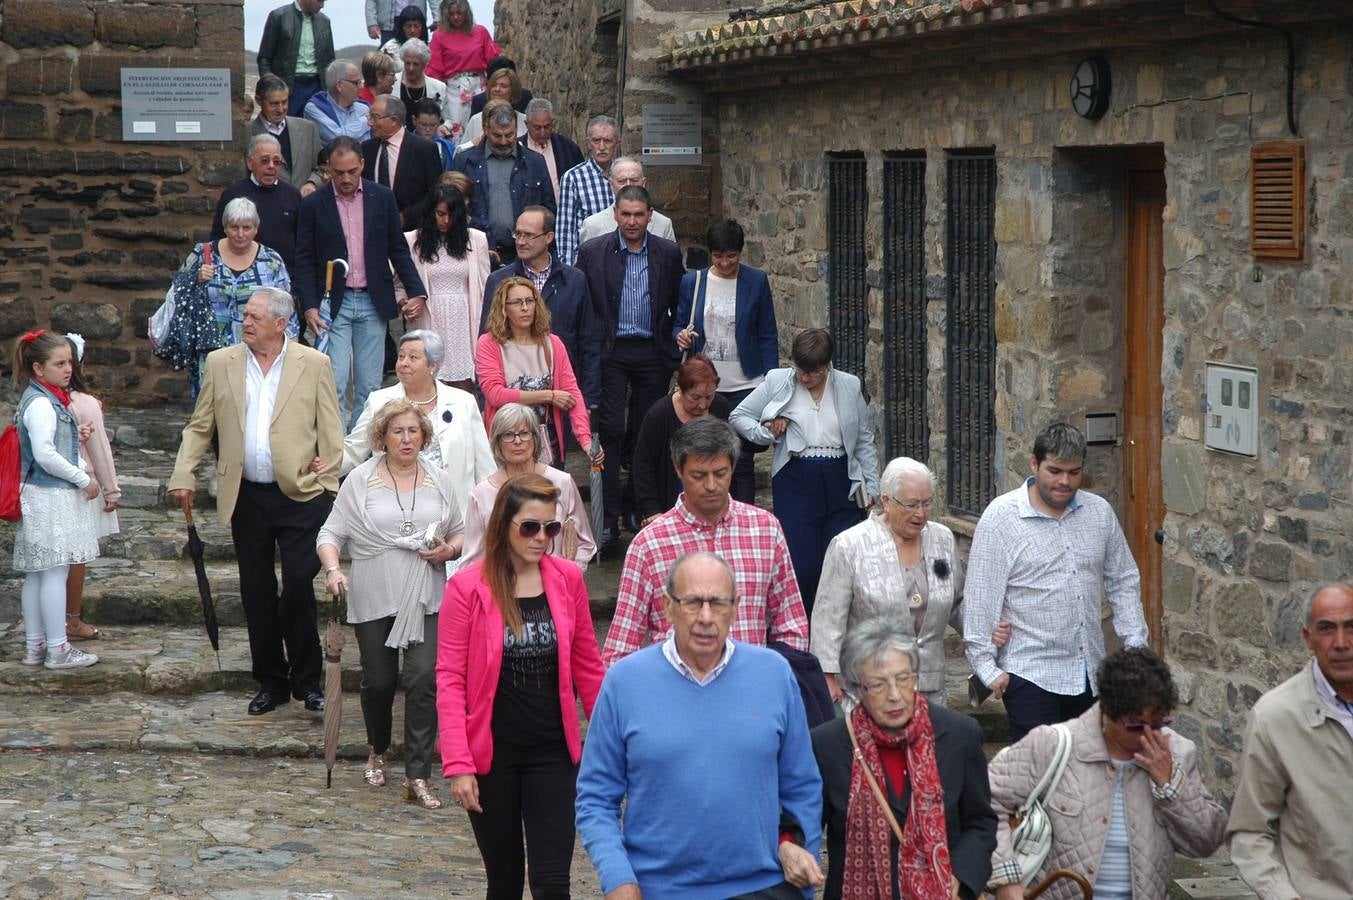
(298, 138)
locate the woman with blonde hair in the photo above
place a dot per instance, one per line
(461, 51)
(518, 360)
(503, 85)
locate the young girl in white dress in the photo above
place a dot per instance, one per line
(56, 530)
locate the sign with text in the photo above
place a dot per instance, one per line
(672, 134)
(176, 105)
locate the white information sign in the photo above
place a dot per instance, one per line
(176, 105)
(672, 135)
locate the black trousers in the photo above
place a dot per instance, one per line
(535, 787)
(744, 473)
(1027, 706)
(283, 637)
(632, 380)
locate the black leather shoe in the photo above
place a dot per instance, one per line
(606, 540)
(633, 522)
(313, 700)
(265, 702)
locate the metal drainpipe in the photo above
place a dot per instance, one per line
(626, 10)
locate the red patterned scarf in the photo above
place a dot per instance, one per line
(923, 857)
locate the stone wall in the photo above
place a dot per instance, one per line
(1245, 538)
(92, 229)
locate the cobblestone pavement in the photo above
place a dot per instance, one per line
(108, 824)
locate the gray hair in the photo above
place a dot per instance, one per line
(1317, 591)
(500, 116)
(1059, 441)
(280, 303)
(241, 209)
(902, 469)
(260, 138)
(669, 586)
(604, 122)
(416, 45)
(513, 417)
(539, 105)
(705, 436)
(337, 70)
(393, 106)
(627, 160)
(434, 348)
(870, 641)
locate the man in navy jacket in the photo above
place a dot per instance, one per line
(356, 221)
(498, 200)
(566, 296)
(633, 278)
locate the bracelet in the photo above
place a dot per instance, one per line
(331, 569)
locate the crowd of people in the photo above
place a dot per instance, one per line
(767, 673)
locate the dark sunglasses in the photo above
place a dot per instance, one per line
(1136, 725)
(530, 528)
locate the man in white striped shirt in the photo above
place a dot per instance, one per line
(1043, 558)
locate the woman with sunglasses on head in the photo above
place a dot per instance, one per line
(516, 645)
(515, 440)
(1131, 796)
(896, 563)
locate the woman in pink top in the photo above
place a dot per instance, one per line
(518, 360)
(461, 51)
(515, 646)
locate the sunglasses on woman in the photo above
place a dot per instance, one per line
(1136, 725)
(530, 528)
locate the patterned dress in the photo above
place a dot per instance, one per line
(448, 313)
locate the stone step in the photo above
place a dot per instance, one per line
(1214, 878)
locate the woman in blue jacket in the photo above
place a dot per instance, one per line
(726, 313)
(825, 468)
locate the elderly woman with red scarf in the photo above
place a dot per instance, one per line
(910, 816)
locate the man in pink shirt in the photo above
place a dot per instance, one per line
(407, 164)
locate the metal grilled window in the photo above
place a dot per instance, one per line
(906, 430)
(970, 339)
(847, 206)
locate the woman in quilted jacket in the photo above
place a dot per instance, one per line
(1131, 796)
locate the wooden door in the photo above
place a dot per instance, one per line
(1143, 323)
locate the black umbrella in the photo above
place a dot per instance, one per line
(195, 550)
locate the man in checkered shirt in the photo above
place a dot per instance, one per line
(586, 188)
(1042, 558)
(706, 519)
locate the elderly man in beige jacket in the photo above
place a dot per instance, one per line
(1288, 830)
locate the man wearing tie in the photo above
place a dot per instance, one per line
(400, 160)
(271, 404)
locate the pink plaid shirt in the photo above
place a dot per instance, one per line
(749, 539)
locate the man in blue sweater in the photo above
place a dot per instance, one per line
(705, 741)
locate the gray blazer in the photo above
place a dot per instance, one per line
(861, 579)
(769, 401)
(305, 146)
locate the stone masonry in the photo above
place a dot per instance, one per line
(91, 228)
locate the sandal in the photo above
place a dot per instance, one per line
(78, 629)
(375, 770)
(416, 790)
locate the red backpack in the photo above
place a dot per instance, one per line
(10, 481)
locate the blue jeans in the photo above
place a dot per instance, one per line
(357, 352)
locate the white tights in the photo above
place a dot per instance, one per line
(44, 607)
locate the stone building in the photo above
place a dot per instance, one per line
(91, 228)
(916, 176)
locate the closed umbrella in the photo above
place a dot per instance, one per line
(195, 550)
(333, 687)
(326, 303)
(595, 504)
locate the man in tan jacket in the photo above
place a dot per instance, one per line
(273, 407)
(1287, 828)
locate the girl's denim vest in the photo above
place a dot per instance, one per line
(67, 439)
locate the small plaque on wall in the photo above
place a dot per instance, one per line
(672, 135)
(1101, 428)
(176, 105)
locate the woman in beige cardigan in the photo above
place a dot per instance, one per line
(1131, 796)
(452, 259)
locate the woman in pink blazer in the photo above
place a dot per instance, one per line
(518, 360)
(515, 649)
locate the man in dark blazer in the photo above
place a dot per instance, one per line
(507, 178)
(356, 221)
(279, 52)
(565, 292)
(633, 278)
(560, 154)
(297, 136)
(417, 164)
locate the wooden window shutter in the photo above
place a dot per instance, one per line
(1278, 200)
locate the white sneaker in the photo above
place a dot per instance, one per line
(68, 656)
(35, 656)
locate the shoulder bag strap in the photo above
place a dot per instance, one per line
(1053, 775)
(873, 784)
(695, 298)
